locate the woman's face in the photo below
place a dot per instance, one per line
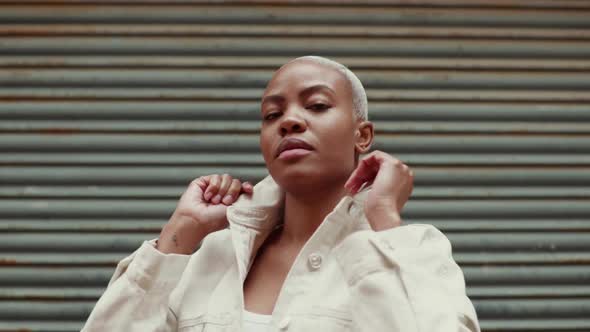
(307, 111)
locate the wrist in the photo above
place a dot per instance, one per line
(181, 237)
(381, 220)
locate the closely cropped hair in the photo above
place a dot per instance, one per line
(359, 96)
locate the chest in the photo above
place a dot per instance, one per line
(266, 277)
(312, 296)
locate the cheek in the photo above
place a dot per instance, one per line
(265, 145)
(339, 143)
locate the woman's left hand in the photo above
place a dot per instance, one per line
(392, 186)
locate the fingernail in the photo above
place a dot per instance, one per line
(208, 196)
(227, 199)
(216, 199)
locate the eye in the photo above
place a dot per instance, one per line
(318, 107)
(271, 116)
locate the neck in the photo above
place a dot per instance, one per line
(304, 212)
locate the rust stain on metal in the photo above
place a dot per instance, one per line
(4, 261)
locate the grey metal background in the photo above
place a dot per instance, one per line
(108, 109)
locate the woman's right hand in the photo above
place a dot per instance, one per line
(200, 211)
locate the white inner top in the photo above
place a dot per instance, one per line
(254, 322)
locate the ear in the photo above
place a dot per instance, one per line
(364, 136)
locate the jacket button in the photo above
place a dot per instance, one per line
(284, 323)
(315, 261)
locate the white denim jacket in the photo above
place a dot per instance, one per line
(346, 278)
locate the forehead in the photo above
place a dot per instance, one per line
(298, 75)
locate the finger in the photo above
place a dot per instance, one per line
(200, 182)
(223, 187)
(354, 176)
(212, 187)
(365, 172)
(233, 192)
(247, 188)
(196, 189)
(361, 175)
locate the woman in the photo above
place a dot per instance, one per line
(316, 246)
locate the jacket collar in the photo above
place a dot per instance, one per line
(263, 209)
(252, 218)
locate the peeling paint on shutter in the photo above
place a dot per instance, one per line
(108, 109)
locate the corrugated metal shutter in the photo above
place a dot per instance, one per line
(108, 109)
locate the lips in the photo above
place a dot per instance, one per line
(292, 143)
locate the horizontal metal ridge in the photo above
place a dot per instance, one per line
(198, 126)
(274, 62)
(331, 47)
(195, 94)
(118, 224)
(35, 178)
(244, 14)
(425, 190)
(335, 31)
(76, 244)
(221, 78)
(419, 111)
(539, 4)
(230, 161)
(451, 143)
(443, 209)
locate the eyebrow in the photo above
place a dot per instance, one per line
(318, 87)
(305, 92)
(277, 99)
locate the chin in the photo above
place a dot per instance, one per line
(306, 177)
(296, 177)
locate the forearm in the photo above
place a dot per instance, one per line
(137, 297)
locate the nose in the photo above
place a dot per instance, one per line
(292, 124)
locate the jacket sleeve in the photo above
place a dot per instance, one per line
(405, 279)
(137, 296)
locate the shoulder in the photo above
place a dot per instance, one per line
(419, 235)
(412, 239)
(422, 233)
(410, 235)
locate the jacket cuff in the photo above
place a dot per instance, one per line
(152, 269)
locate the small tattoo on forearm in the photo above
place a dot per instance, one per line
(175, 240)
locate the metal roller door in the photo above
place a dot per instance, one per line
(108, 109)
